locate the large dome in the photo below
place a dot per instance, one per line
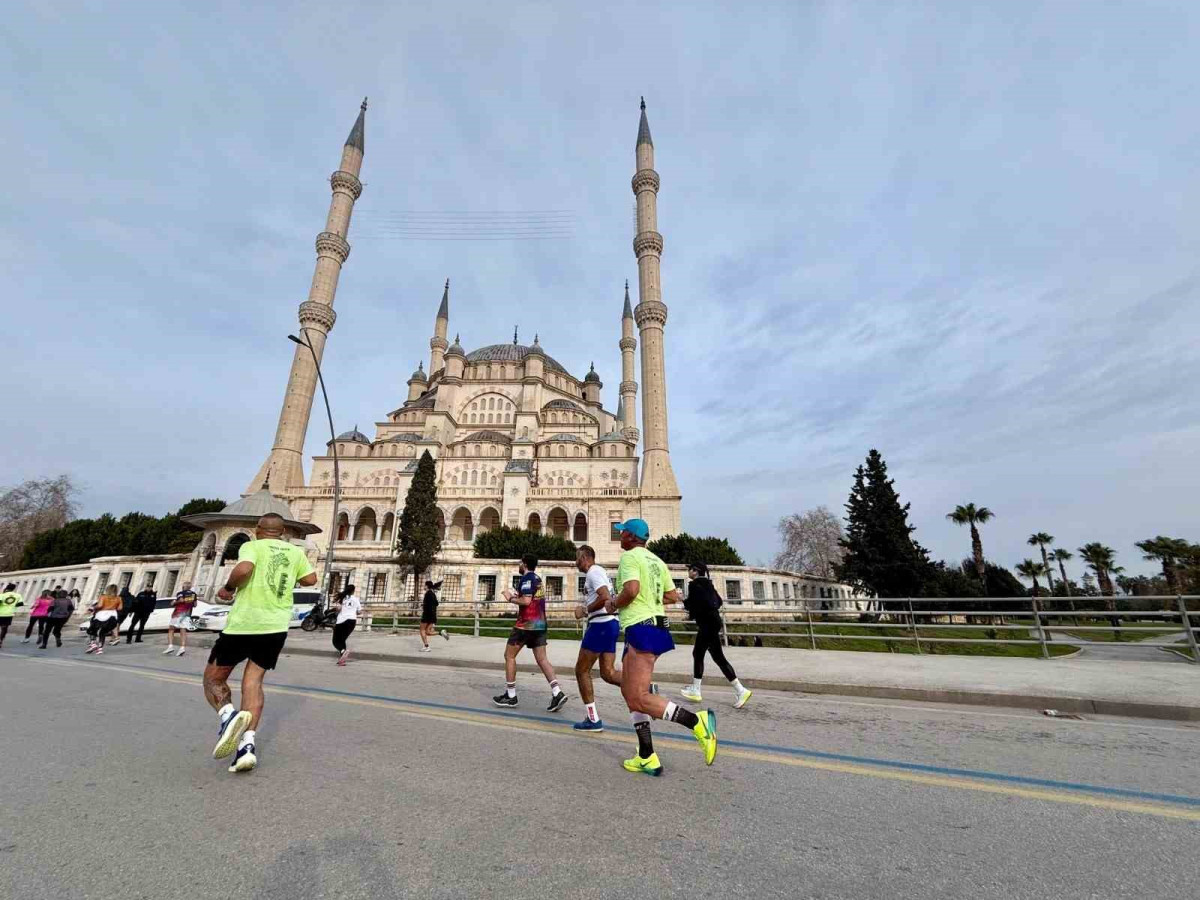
(510, 353)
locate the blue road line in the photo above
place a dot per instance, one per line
(499, 715)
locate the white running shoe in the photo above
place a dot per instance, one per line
(743, 699)
(444, 633)
(168, 651)
(245, 759)
(691, 694)
(426, 649)
(181, 651)
(342, 657)
(229, 732)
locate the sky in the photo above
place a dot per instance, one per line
(963, 234)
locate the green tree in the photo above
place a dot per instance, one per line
(970, 514)
(503, 542)
(1168, 551)
(1027, 568)
(685, 549)
(881, 556)
(1060, 555)
(1102, 561)
(1042, 540)
(420, 535)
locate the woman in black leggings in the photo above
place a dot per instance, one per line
(703, 605)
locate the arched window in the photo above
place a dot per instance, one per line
(474, 449)
(507, 418)
(454, 480)
(490, 419)
(474, 479)
(441, 520)
(491, 400)
(494, 482)
(535, 523)
(343, 527)
(578, 451)
(462, 526)
(557, 522)
(364, 528)
(389, 525)
(489, 519)
(475, 406)
(580, 533)
(232, 546)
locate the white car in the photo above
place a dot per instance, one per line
(158, 621)
(213, 616)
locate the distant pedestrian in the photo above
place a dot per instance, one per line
(128, 603)
(429, 605)
(348, 607)
(57, 616)
(143, 605)
(9, 601)
(703, 605)
(37, 615)
(181, 617)
(104, 618)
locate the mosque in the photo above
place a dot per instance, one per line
(518, 440)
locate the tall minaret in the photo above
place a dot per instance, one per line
(283, 468)
(628, 405)
(437, 343)
(658, 478)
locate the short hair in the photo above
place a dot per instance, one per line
(429, 584)
(701, 569)
(530, 561)
(587, 550)
(11, 586)
(111, 589)
(349, 590)
(271, 522)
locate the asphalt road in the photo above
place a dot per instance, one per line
(383, 780)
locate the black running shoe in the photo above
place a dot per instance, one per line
(504, 700)
(557, 702)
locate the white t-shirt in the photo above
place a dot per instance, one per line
(349, 610)
(595, 579)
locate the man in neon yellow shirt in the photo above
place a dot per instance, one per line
(268, 569)
(9, 601)
(643, 584)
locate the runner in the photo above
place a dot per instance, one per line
(348, 607)
(268, 569)
(642, 582)
(429, 605)
(56, 616)
(181, 617)
(529, 631)
(9, 601)
(37, 615)
(600, 638)
(703, 604)
(104, 618)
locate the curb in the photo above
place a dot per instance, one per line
(1128, 708)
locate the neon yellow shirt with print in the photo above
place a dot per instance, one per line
(263, 604)
(9, 601)
(653, 578)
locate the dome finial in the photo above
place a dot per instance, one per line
(514, 335)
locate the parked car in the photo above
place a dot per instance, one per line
(158, 621)
(213, 616)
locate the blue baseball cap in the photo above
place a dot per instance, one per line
(637, 527)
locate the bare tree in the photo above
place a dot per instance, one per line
(810, 542)
(31, 508)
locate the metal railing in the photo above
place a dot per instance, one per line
(916, 625)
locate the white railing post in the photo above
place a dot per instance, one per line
(912, 622)
(812, 641)
(476, 618)
(1037, 618)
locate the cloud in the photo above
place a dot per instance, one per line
(963, 235)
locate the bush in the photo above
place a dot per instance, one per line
(513, 543)
(684, 549)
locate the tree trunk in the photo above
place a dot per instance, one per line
(977, 553)
(1049, 576)
(1110, 602)
(1172, 579)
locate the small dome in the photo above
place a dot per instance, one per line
(536, 348)
(354, 435)
(614, 436)
(420, 375)
(569, 438)
(406, 437)
(494, 436)
(260, 503)
(563, 404)
(455, 348)
(591, 377)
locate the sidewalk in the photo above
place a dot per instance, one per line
(1159, 690)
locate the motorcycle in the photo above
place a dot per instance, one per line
(322, 616)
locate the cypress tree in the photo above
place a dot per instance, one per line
(419, 538)
(881, 556)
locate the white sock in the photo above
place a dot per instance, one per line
(225, 710)
(668, 712)
(510, 689)
(639, 717)
(696, 685)
(555, 690)
(592, 715)
(247, 738)
(737, 686)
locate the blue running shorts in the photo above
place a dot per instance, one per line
(601, 637)
(646, 637)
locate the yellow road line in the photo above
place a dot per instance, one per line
(525, 725)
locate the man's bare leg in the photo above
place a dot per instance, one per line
(216, 685)
(583, 675)
(252, 692)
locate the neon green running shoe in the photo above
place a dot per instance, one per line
(706, 733)
(648, 766)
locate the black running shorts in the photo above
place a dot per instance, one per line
(261, 649)
(524, 638)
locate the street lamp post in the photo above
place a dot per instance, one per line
(337, 481)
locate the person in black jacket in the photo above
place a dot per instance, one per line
(703, 604)
(143, 605)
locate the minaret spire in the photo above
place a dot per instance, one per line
(437, 343)
(627, 408)
(660, 491)
(284, 468)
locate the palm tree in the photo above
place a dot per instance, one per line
(1060, 556)
(1027, 568)
(1102, 561)
(1041, 540)
(970, 514)
(1168, 551)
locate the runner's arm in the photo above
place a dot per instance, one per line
(672, 596)
(602, 596)
(629, 592)
(240, 575)
(307, 581)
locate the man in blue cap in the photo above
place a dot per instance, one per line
(643, 585)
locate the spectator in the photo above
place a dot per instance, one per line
(142, 607)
